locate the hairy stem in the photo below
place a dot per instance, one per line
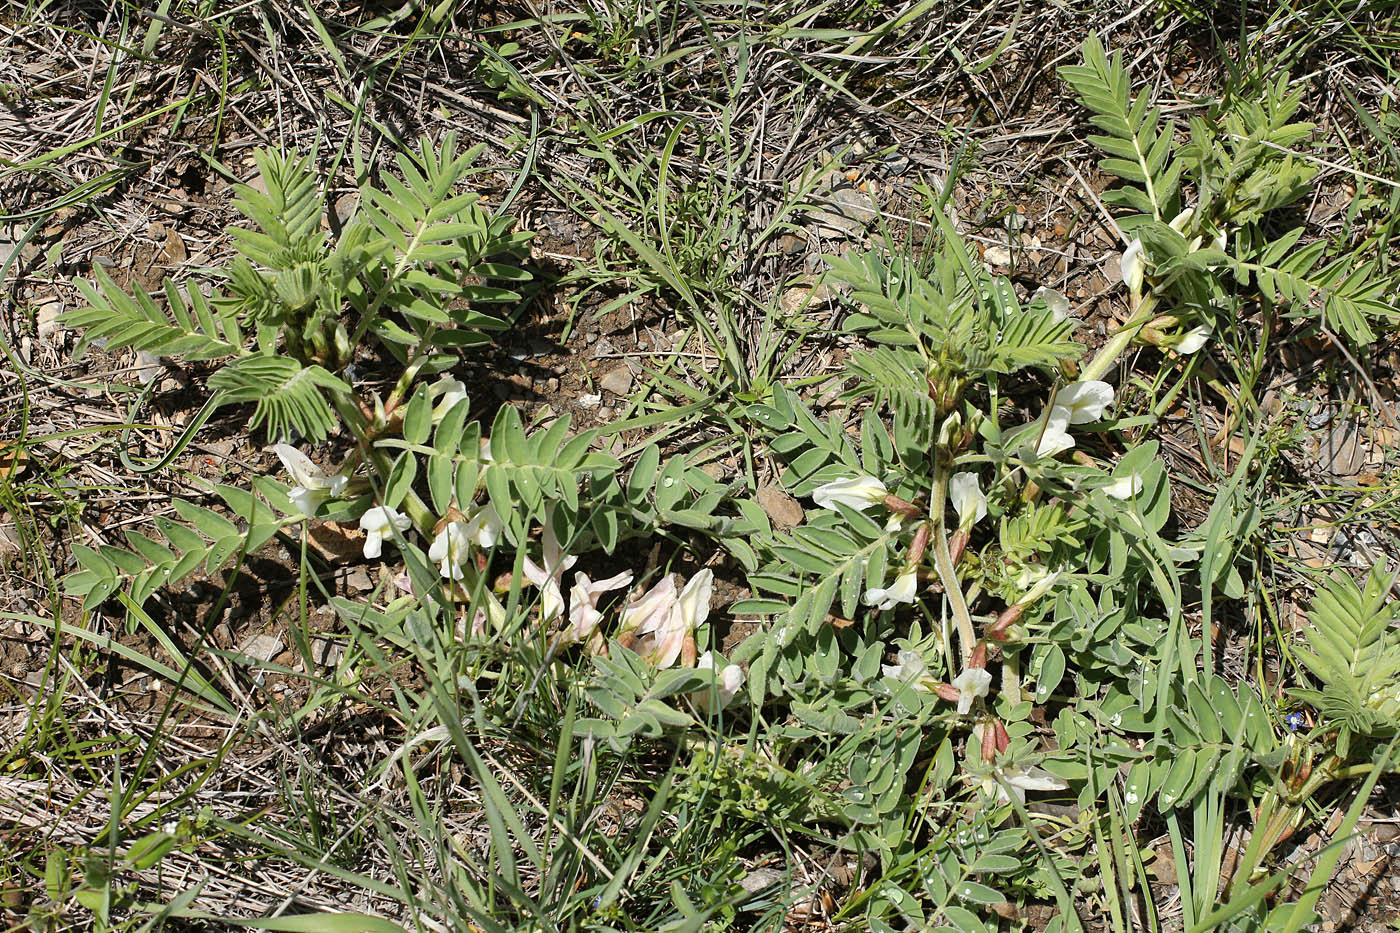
(1108, 354)
(943, 561)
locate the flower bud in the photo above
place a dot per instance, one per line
(901, 506)
(957, 544)
(1009, 617)
(918, 545)
(988, 738)
(949, 431)
(979, 656)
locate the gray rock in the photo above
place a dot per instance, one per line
(262, 647)
(618, 382)
(856, 204)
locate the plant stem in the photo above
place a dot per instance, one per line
(1108, 354)
(413, 506)
(943, 560)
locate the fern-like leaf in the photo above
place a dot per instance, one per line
(1031, 336)
(287, 394)
(1138, 149)
(1341, 296)
(288, 214)
(1352, 650)
(193, 330)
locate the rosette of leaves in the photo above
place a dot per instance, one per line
(409, 267)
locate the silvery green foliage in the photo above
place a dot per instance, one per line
(1352, 652)
(410, 267)
(1198, 209)
(952, 358)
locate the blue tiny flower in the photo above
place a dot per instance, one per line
(1295, 721)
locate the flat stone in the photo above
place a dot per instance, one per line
(358, 580)
(760, 879)
(46, 317)
(326, 651)
(998, 257)
(856, 205)
(262, 647)
(148, 365)
(1112, 267)
(782, 508)
(1341, 453)
(618, 382)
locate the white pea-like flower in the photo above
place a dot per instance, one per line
(450, 550)
(690, 610)
(1192, 340)
(972, 683)
(1133, 266)
(550, 577)
(1020, 780)
(646, 613)
(1047, 435)
(484, 527)
(583, 604)
(727, 683)
(1085, 401)
(1054, 300)
(1124, 487)
(909, 668)
(313, 486)
(968, 499)
(376, 524)
(904, 590)
(448, 392)
(858, 492)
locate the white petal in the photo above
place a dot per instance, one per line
(451, 548)
(730, 680)
(583, 603)
(449, 392)
(858, 492)
(1051, 429)
(692, 608)
(727, 683)
(903, 590)
(374, 544)
(968, 499)
(1056, 302)
(1193, 340)
(910, 666)
(306, 500)
(1086, 401)
(694, 600)
(1124, 487)
(299, 466)
(972, 683)
(1034, 779)
(647, 612)
(1132, 266)
(485, 526)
